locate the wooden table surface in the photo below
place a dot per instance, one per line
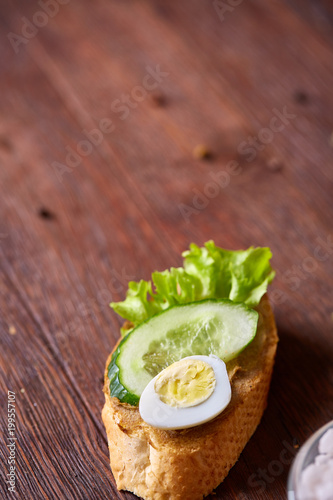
(128, 130)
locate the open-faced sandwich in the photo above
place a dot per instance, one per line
(186, 386)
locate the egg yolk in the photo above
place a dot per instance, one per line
(186, 383)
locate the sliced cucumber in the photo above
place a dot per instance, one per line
(219, 327)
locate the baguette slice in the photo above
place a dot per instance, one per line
(188, 464)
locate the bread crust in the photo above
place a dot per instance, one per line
(188, 464)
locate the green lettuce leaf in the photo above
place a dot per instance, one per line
(241, 275)
(136, 308)
(208, 272)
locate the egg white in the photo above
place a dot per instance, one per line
(162, 416)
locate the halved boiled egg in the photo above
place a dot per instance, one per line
(187, 393)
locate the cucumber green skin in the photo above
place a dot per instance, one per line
(117, 389)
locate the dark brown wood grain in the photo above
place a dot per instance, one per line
(71, 237)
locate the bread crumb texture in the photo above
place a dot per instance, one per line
(188, 464)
